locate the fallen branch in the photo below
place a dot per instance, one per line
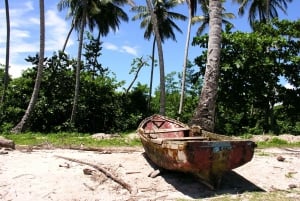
(108, 174)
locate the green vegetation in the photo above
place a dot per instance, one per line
(251, 98)
(276, 142)
(71, 140)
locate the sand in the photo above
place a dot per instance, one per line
(41, 175)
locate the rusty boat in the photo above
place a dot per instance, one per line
(173, 145)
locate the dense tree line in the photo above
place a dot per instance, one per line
(251, 97)
(240, 93)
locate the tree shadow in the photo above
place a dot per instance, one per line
(188, 184)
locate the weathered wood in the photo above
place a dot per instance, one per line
(6, 143)
(97, 167)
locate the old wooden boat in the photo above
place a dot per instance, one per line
(175, 146)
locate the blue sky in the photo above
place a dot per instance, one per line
(119, 49)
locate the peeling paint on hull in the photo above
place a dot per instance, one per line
(207, 156)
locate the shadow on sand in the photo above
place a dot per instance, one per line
(187, 184)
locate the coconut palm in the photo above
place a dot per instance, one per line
(204, 115)
(262, 10)
(165, 30)
(104, 15)
(78, 11)
(21, 125)
(204, 20)
(6, 74)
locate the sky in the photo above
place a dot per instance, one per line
(119, 48)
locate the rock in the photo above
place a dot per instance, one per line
(280, 158)
(291, 186)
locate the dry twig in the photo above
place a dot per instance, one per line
(97, 167)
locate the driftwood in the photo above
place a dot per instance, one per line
(97, 167)
(7, 143)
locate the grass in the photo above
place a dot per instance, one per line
(276, 142)
(70, 140)
(77, 139)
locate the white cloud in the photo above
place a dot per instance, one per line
(130, 50)
(29, 5)
(24, 39)
(124, 49)
(110, 46)
(56, 31)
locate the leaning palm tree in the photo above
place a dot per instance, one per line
(163, 17)
(6, 74)
(21, 125)
(262, 10)
(204, 20)
(204, 115)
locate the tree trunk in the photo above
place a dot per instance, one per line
(68, 36)
(151, 74)
(162, 109)
(186, 53)
(204, 115)
(78, 67)
(6, 75)
(21, 125)
(6, 143)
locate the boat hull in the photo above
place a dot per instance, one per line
(207, 156)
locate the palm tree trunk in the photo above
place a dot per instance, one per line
(68, 37)
(6, 75)
(204, 115)
(162, 109)
(151, 74)
(78, 67)
(21, 125)
(186, 53)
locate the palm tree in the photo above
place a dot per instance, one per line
(204, 20)
(106, 15)
(204, 115)
(262, 10)
(159, 12)
(103, 14)
(192, 9)
(6, 75)
(21, 125)
(78, 10)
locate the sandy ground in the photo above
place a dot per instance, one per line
(40, 175)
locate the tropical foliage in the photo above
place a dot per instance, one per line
(250, 94)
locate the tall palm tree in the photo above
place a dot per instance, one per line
(21, 125)
(6, 74)
(166, 26)
(204, 115)
(204, 20)
(78, 11)
(101, 14)
(262, 10)
(192, 9)
(106, 16)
